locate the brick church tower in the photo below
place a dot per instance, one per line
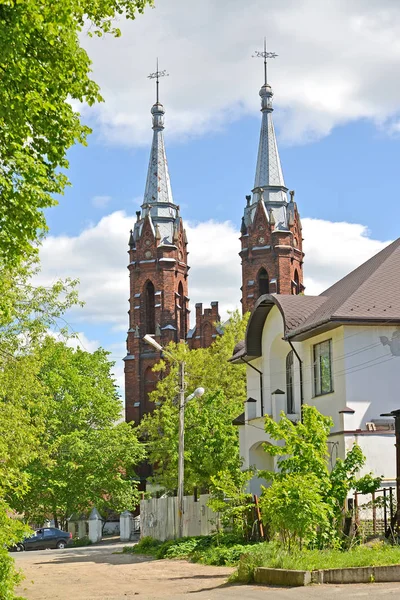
(272, 256)
(158, 270)
(158, 277)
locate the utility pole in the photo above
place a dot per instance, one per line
(181, 459)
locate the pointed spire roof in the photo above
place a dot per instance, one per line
(268, 170)
(158, 204)
(158, 185)
(269, 182)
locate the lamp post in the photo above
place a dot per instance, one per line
(181, 451)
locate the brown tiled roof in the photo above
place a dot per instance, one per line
(297, 309)
(369, 293)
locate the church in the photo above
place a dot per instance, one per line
(271, 256)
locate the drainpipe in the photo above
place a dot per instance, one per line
(301, 380)
(261, 383)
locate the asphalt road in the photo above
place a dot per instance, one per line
(102, 573)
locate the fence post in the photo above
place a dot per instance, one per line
(384, 510)
(373, 513)
(95, 526)
(126, 526)
(356, 515)
(260, 525)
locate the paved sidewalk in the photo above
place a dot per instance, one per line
(102, 572)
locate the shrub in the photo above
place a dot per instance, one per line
(9, 577)
(83, 541)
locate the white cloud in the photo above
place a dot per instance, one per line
(98, 257)
(334, 249)
(101, 201)
(338, 61)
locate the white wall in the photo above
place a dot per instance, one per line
(372, 373)
(380, 452)
(366, 378)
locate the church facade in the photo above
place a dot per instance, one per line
(271, 257)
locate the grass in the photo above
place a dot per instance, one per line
(218, 549)
(274, 556)
(225, 549)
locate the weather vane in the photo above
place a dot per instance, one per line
(265, 55)
(157, 76)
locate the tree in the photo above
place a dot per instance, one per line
(86, 456)
(303, 457)
(211, 441)
(42, 68)
(26, 313)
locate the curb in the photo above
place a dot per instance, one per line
(286, 577)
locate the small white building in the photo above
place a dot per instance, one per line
(340, 352)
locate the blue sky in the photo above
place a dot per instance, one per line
(351, 175)
(337, 116)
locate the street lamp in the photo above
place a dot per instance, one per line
(182, 401)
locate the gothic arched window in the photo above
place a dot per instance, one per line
(296, 283)
(181, 313)
(149, 308)
(150, 382)
(290, 384)
(263, 282)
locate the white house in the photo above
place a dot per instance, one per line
(340, 352)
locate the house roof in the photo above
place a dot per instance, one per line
(369, 294)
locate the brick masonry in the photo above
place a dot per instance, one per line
(278, 253)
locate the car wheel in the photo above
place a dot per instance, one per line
(61, 544)
(19, 548)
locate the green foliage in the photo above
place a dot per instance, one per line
(211, 441)
(43, 67)
(222, 549)
(9, 577)
(26, 312)
(85, 455)
(274, 556)
(230, 499)
(83, 541)
(304, 480)
(296, 509)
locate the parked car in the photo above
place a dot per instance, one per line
(47, 537)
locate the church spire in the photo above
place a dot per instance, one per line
(158, 185)
(269, 174)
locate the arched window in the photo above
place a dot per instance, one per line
(207, 335)
(263, 282)
(149, 308)
(150, 382)
(296, 283)
(181, 313)
(290, 384)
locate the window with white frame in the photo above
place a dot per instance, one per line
(323, 368)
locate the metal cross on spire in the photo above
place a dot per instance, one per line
(265, 55)
(157, 76)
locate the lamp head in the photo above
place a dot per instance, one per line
(152, 342)
(198, 392)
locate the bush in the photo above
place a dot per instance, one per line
(83, 541)
(217, 549)
(275, 556)
(146, 545)
(9, 577)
